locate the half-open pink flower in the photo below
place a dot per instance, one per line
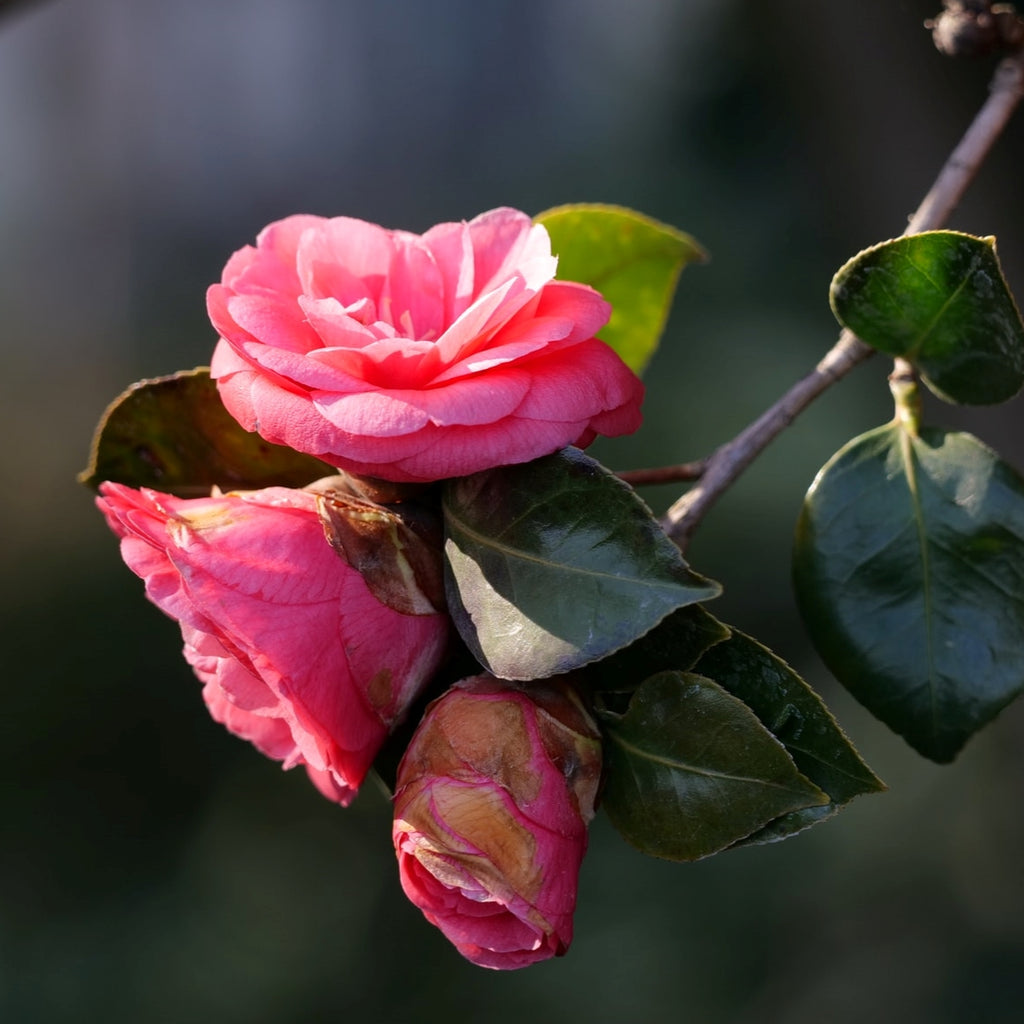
(492, 803)
(415, 357)
(296, 653)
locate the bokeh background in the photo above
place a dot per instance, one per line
(155, 869)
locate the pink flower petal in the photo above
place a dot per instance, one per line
(296, 653)
(506, 240)
(345, 259)
(406, 357)
(270, 266)
(413, 295)
(384, 414)
(275, 320)
(270, 736)
(452, 247)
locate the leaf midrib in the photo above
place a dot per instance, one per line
(910, 472)
(519, 554)
(693, 769)
(927, 331)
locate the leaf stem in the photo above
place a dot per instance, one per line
(727, 463)
(906, 396)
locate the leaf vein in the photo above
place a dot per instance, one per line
(684, 766)
(512, 555)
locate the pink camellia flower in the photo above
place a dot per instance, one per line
(491, 809)
(415, 357)
(295, 652)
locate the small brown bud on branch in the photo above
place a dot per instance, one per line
(976, 28)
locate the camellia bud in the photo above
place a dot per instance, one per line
(491, 809)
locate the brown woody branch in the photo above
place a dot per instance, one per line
(726, 463)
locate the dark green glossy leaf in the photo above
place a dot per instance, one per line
(939, 300)
(909, 572)
(690, 770)
(556, 563)
(796, 716)
(632, 260)
(174, 434)
(677, 642)
(790, 824)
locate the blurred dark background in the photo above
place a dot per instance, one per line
(152, 867)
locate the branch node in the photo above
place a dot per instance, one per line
(976, 28)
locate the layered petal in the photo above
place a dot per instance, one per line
(296, 653)
(367, 347)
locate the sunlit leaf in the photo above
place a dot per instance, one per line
(909, 572)
(632, 260)
(939, 300)
(556, 563)
(174, 434)
(690, 770)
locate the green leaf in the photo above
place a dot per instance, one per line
(690, 770)
(677, 642)
(796, 716)
(909, 573)
(556, 563)
(632, 260)
(790, 824)
(939, 300)
(174, 434)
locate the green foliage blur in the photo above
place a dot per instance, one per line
(155, 869)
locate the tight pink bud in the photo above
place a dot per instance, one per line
(491, 806)
(297, 654)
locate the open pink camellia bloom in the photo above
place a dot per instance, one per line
(295, 652)
(492, 803)
(415, 357)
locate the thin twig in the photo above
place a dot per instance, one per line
(727, 462)
(664, 474)
(958, 172)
